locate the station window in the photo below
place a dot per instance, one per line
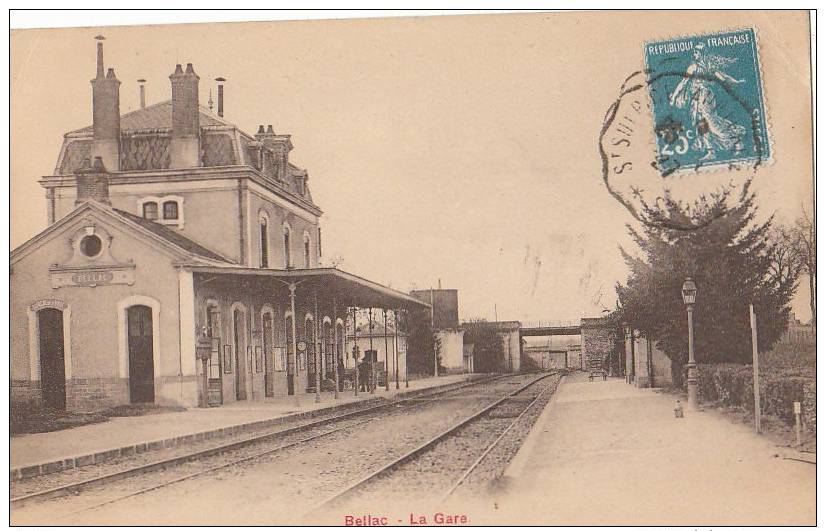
(287, 257)
(307, 262)
(150, 210)
(170, 210)
(166, 210)
(265, 259)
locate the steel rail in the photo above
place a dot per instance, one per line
(389, 467)
(468, 471)
(161, 464)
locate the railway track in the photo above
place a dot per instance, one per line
(305, 432)
(500, 419)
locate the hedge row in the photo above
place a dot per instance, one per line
(780, 388)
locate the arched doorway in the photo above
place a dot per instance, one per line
(215, 393)
(52, 361)
(328, 349)
(269, 369)
(141, 363)
(239, 337)
(309, 340)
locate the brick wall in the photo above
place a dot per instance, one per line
(89, 394)
(25, 394)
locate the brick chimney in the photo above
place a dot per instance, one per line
(92, 182)
(280, 145)
(185, 142)
(106, 113)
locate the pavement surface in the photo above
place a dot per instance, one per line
(607, 453)
(37, 448)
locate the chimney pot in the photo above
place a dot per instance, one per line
(178, 69)
(189, 69)
(220, 81)
(260, 130)
(143, 92)
(270, 130)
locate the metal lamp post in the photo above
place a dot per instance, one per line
(689, 296)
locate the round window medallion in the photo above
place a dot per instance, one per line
(90, 245)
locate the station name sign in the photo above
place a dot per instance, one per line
(92, 277)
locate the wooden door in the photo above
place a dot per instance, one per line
(239, 336)
(141, 363)
(52, 362)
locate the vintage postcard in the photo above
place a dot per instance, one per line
(531, 268)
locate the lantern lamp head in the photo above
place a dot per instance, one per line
(689, 291)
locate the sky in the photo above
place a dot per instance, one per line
(452, 149)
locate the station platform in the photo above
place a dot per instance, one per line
(607, 453)
(39, 453)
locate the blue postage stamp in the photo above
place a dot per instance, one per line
(707, 100)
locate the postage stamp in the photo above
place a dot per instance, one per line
(707, 100)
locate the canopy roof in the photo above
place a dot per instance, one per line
(347, 288)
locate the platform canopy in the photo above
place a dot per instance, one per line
(347, 289)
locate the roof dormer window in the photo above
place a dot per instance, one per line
(170, 210)
(166, 210)
(150, 210)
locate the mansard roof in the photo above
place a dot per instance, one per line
(158, 116)
(145, 143)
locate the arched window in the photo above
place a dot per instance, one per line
(265, 240)
(287, 257)
(150, 210)
(307, 262)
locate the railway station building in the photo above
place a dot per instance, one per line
(180, 266)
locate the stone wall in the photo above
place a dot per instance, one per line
(600, 337)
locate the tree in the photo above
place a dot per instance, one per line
(730, 258)
(488, 350)
(785, 261)
(805, 246)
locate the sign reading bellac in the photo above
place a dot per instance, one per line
(92, 277)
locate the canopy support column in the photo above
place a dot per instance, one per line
(355, 355)
(386, 365)
(316, 350)
(335, 346)
(295, 346)
(372, 381)
(406, 355)
(396, 343)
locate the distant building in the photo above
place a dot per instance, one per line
(444, 305)
(645, 364)
(508, 331)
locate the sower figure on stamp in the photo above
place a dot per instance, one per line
(713, 131)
